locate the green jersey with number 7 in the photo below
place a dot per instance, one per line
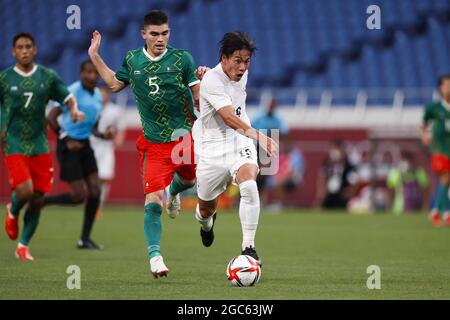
(161, 88)
(23, 99)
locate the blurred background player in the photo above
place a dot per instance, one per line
(337, 179)
(78, 166)
(111, 120)
(165, 87)
(409, 185)
(223, 141)
(438, 115)
(25, 90)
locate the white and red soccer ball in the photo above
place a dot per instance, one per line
(243, 271)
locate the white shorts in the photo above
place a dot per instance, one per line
(215, 172)
(104, 154)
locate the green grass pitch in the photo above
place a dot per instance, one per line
(305, 255)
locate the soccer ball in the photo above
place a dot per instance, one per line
(243, 271)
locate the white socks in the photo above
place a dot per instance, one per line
(249, 208)
(206, 223)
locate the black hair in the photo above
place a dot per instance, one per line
(84, 64)
(442, 78)
(235, 41)
(23, 35)
(155, 17)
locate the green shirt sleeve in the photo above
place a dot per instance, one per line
(427, 115)
(58, 89)
(123, 74)
(189, 67)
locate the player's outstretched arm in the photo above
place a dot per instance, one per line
(234, 122)
(425, 135)
(52, 119)
(105, 72)
(195, 89)
(75, 114)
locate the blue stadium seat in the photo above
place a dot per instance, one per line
(301, 43)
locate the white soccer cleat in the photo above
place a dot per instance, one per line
(173, 205)
(158, 268)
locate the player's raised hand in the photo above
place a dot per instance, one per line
(200, 72)
(95, 43)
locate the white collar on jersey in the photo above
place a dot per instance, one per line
(445, 104)
(154, 59)
(26, 74)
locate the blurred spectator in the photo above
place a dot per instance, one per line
(337, 179)
(110, 119)
(287, 179)
(409, 186)
(266, 121)
(270, 119)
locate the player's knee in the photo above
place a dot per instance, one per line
(206, 212)
(249, 192)
(24, 194)
(156, 197)
(94, 192)
(37, 201)
(188, 182)
(78, 197)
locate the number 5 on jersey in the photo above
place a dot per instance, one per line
(152, 83)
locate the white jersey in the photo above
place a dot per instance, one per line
(221, 150)
(111, 116)
(211, 134)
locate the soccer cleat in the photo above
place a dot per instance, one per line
(208, 236)
(88, 244)
(250, 251)
(23, 253)
(158, 268)
(435, 218)
(98, 215)
(447, 219)
(12, 224)
(173, 205)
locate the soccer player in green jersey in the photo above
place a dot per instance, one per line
(25, 90)
(165, 86)
(438, 114)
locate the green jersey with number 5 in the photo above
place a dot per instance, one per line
(161, 89)
(439, 116)
(23, 99)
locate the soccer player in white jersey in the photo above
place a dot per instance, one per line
(111, 120)
(223, 140)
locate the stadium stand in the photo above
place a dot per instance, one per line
(301, 44)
